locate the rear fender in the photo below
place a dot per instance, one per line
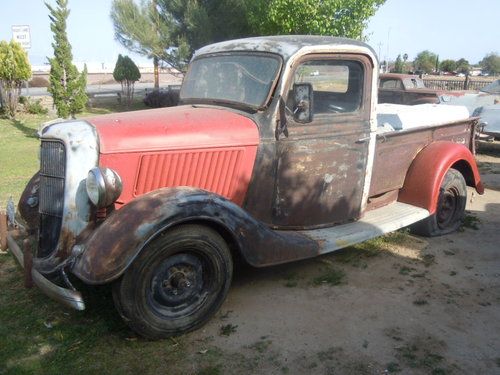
(113, 246)
(426, 173)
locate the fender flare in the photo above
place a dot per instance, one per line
(110, 249)
(426, 173)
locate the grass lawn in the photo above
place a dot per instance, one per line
(18, 154)
(38, 336)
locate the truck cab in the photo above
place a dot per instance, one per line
(405, 89)
(275, 154)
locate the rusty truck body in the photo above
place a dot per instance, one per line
(276, 153)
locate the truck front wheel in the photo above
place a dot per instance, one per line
(450, 208)
(176, 284)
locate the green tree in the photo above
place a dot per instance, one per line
(448, 65)
(146, 30)
(491, 63)
(200, 22)
(127, 73)
(425, 61)
(170, 30)
(398, 65)
(66, 86)
(463, 66)
(14, 69)
(328, 17)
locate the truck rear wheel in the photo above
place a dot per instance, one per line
(450, 208)
(176, 284)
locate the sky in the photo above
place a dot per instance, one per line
(450, 28)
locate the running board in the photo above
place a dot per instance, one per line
(375, 223)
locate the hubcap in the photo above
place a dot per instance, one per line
(448, 208)
(179, 285)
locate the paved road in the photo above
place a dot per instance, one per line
(140, 88)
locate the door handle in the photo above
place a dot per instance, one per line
(363, 140)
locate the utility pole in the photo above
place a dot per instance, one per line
(387, 57)
(380, 44)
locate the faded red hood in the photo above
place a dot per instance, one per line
(174, 128)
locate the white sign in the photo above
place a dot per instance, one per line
(21, 34)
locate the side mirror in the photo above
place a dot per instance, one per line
(302, 102)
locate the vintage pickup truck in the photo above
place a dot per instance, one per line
(406, 89)
(277, 152)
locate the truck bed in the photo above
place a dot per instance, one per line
(395, 151)
(396, 117)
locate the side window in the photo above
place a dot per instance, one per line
(391, 84)
(337, 85)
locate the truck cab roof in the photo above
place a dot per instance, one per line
(286, 45)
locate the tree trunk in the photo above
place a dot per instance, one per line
(156, 73)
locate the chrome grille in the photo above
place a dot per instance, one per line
(51, 195)
(52, 171)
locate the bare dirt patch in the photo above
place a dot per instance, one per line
(407, 305)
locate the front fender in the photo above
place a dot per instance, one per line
(114, 245)
(426, 173)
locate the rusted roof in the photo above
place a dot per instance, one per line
(397, 75)
(284, 45)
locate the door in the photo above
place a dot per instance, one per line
(322, 163)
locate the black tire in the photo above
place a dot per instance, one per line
(450, 208)
(176, 284)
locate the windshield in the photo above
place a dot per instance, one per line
(235, 78)
(414, 83)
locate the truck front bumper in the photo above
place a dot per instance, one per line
(67, 297)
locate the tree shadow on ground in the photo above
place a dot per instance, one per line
(26, 130)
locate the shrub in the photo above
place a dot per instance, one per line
(158, 99)
(34, 107)
(14, 69)
(127, 73)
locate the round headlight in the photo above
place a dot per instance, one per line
(104, 186)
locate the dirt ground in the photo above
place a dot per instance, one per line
(400, 304)
(418, 306)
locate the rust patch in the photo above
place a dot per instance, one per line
(3, 231)
(28, 263)
(111, 248)
(395, 152)
(28, 203)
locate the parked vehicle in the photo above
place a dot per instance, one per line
(474, 100)
(485, 104)
(261, 161)
(405, 89)
(489, 120)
